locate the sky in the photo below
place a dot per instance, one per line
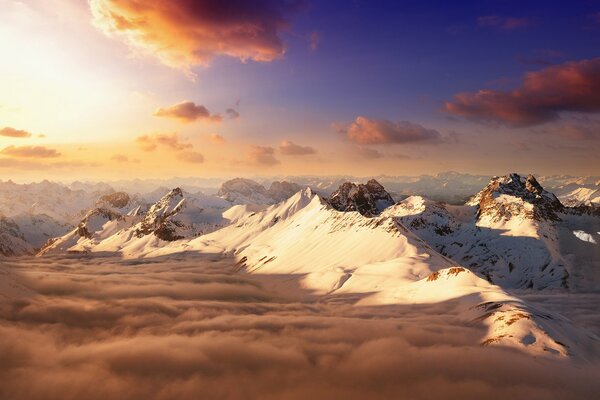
(113, 89)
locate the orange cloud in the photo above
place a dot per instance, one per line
(30, 152)
(152, 142)
(217, 139)
(573, 86)
(187, 111)
(191, 157)
(263, 155)
(367, 131)
(184, 151)
(184, 33)
(291, 149)
(14, 133)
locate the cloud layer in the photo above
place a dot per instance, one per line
(184, 328)
(29, 152)
(569, 87)
(366, 131)
(184, 33)
(187, 111)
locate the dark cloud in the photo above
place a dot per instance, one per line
(187, 111)
(544, 94)
(367, 131)
(263, 155)
(504, 23)
(183, 33)
(185, 328)
(292, 149)
(15, 133)
(232, 114)
(29, 152)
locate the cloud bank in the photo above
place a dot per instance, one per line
(190, 328)
(30, 152)
(544, 94)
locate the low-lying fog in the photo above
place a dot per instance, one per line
(194, 328)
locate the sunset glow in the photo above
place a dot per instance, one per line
(89, 79)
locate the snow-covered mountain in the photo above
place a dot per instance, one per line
(247, 191)
(111, 213)
(55, 200)
(119, 220)
(369, 199)
(379, 261)
(513, 232)
(376, 258)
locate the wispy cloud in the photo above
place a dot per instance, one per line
(262, 155)
(504, 23)
(167, 140)
(30, 152)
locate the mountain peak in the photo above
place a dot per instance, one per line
(513, 194)
(369, 199)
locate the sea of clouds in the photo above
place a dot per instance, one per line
(195, 328)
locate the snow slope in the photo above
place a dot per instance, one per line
(378, 260)
(513, 233)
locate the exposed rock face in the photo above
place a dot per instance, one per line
(246, 191)
(95, 219)
(12, 241)
(240, 189)
(512, 195)
(116, 199)
(369, 200)
(161, 217)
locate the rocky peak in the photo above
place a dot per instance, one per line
(171, 218)
(368, 199)
(242, 186)
(116, 199)
(512, 195)
(283, 190)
